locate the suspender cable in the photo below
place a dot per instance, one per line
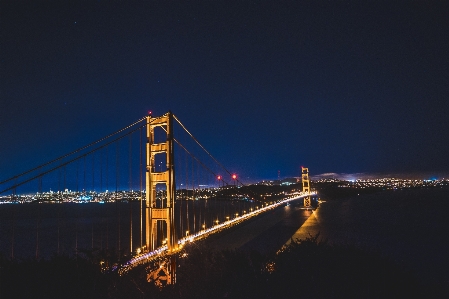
(59, 201)
(59, 222)
(187, 195)
(74, 152)
(76, 210)
(107, 189)
(107, 233)
(193, 189)
(117, 204)
(101, 171)
(65, 173)
(201, 163)
(141, 195)
(196, 140)
(59, 181)
(84, 171)
(180, 201)
(59, 195)
(67, 162)
(198, 194)
(13, 225)
(37, 229)
(92, 192)
(129, 201)
(38, 217)
(77, 176)
(93, 172)
(107, 168)
(76, 233)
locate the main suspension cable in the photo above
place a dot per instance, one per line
(210, 155)
(201, 163)
(71, 153)
(196, 140)
(70, 161)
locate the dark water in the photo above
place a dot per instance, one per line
(409, 226)
(27, 230)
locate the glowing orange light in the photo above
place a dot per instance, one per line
(234, 176)
(219, 177)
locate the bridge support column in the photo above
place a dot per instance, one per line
(164, 211)
(306, 186)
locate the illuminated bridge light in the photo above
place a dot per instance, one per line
(202, 234)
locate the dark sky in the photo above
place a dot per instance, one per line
(338, 86)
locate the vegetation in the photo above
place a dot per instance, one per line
(59, 277)
(305, 269)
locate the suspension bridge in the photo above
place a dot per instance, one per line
(140, 197)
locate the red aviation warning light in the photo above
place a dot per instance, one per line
(219, 178)
(234, 176)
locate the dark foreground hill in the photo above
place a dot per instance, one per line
(304, 269)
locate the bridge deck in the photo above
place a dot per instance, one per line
(149, 256)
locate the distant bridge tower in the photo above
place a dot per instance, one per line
(165, 211)
(305, 185)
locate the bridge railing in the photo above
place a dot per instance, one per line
(163, 250)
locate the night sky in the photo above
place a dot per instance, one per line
(338, 86)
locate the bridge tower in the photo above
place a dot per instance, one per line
(305, 185)
(165, 211)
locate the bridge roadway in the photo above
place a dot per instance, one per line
(268, 232)
(265, 233)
